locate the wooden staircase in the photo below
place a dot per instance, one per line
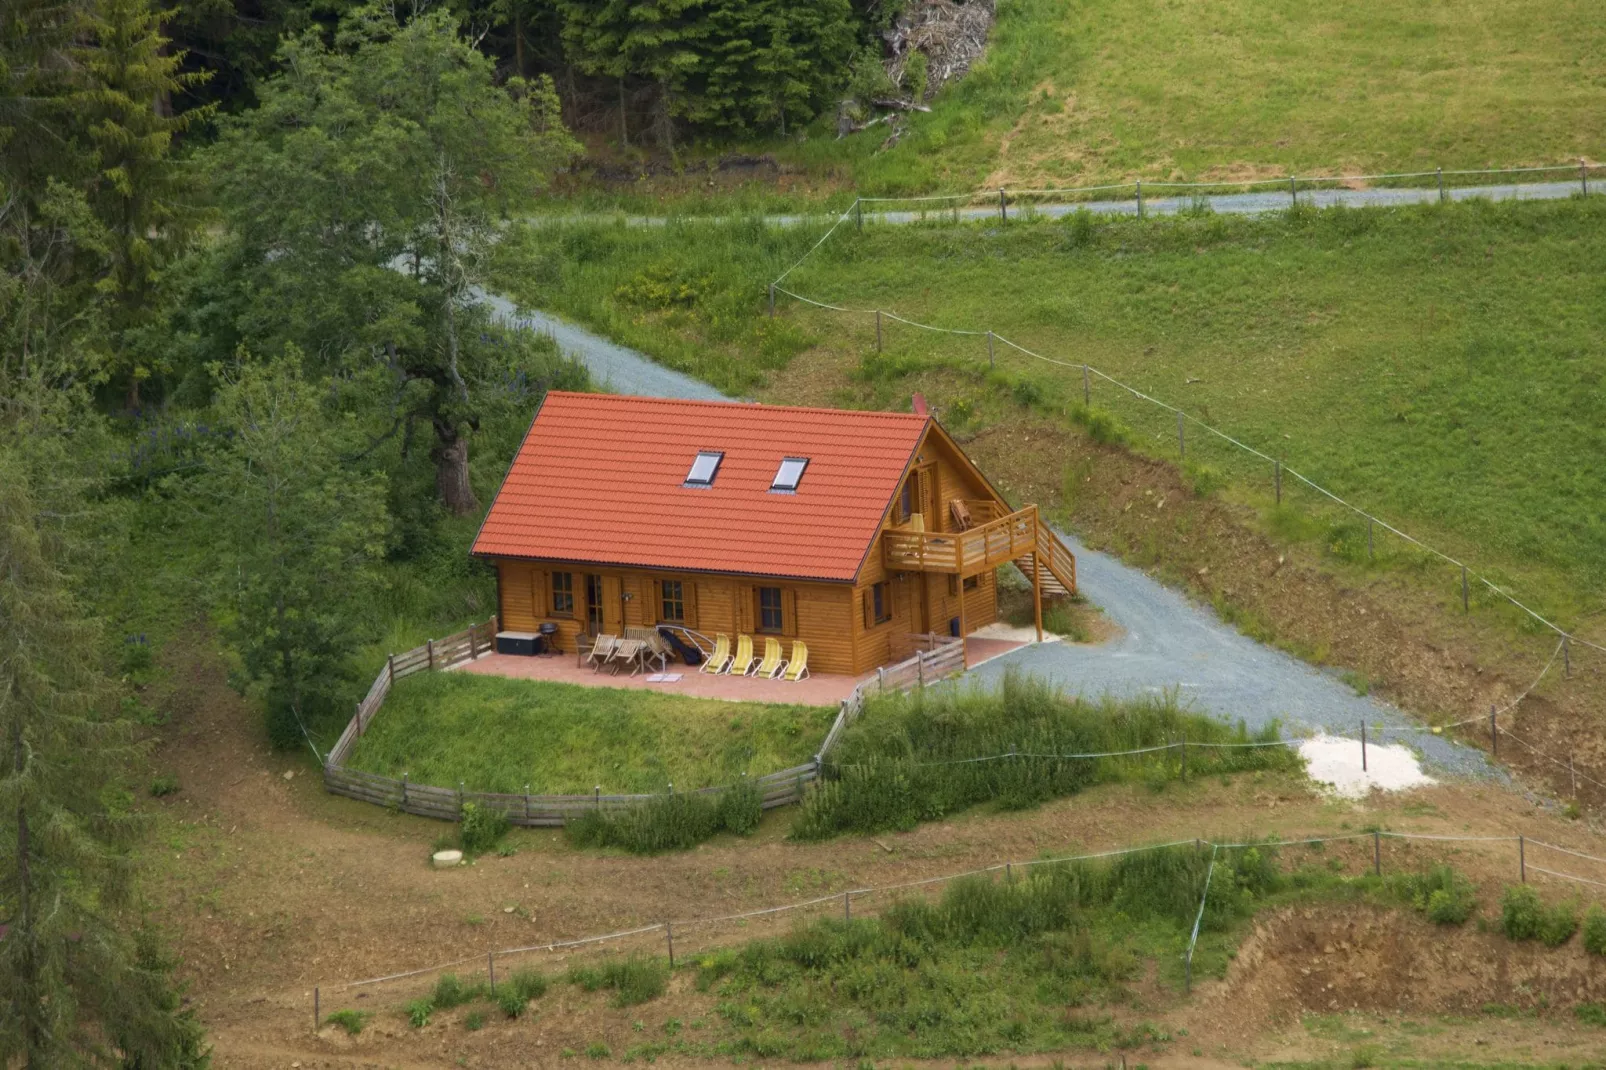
(1059, 564)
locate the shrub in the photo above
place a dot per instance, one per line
(475, 1020)
(418, 1012)
(451, 992)
(1523, 916)
(166, 784)
(349, 1020)
(598, 1050)
(511, 1003)
(1591, 1013)
(528, 984)
(482, 827)
(1595, 930)
(634, 980)
(1444, 895)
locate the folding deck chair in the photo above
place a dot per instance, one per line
(720, 659)
(798, 667)
(773, 663)
(742, 663)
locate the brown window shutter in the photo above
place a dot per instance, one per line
(867, 606)
(788, 611)
(690, 589)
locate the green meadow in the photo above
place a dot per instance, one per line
(500, 735)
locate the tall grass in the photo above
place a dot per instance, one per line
(670, 822)
(912, 758)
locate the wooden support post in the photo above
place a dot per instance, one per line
(1363, 745)
(878, 330)
(992, 361)
(473, 645)
(1087, 388)
(1494, 735)
(1377, 853)
(669, 937)
(1522, 859)
(1466, 604)
(1441, 185)
(964, 627)
(1003, 210)
(1140, 198)
(772, 300)
(1037, 590)
(429, 644)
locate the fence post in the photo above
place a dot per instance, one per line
(404, 791)
(991, 361)
(1494, 735)
(390, 663)
(526, 804)
(1277, 480)
(1566, 658)
(596, 795)
(1572, 775)
(1369, 538)
(490, 966)
(358, 717)
(1363, 744)
(881, 677)
(460, 794)
(429, 644)
(317, 1017)
(920, 667)
(473, 644)
(1522, 859)
(772, 300)
(1377, 852)
(847, 907)
(669, 937)
(1182, 444)
(1293, 191)
(1087, 389)
(1184, 756)
(1140, 198)
(858, 213)
(1466, 605)
(878, 330)
(1003, 211)
(1583, 175)
(1009, 874)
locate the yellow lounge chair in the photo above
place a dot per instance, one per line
(721, 656)
(773, 663)
(742, 663)
(798, 667)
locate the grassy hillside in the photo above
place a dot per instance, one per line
(1094, 91)
(1440, 366)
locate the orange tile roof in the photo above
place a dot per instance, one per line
(600, 479)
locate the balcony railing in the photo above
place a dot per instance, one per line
(964, 553)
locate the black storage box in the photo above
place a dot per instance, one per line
(526, 644)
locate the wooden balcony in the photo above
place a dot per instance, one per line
(963, 553)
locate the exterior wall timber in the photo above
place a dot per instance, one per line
(820, 614)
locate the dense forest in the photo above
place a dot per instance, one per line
(244, 387)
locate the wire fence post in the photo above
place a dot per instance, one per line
(490, 968)
(1583, 175)
(1566, 658)
(1003, 210)
(596, 796)
(1466, 605)
(1441, 185)
(1182, 442)
(317, 1016)
(1293, 191)
(1009, 873)
(526, 804)
(1140, 198)
(1572, 775)
(404, 791)
(847, 907)
(1522, 859)
(1369, 538)
(669, 938)
(878, 330)
(1277, 480)
(1363, 745)
(1494, 735)
(858, 213)
(1377, 853)
(991, 362)
(460, 794)
(1087, 389)
(772, 300)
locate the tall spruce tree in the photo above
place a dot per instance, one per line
(80, 985)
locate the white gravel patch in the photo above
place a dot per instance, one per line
(1336, 762)
(1002, 630)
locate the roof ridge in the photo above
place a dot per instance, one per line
(735, 403)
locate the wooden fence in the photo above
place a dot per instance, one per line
(943, 657)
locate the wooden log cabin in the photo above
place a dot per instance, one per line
(852, 531)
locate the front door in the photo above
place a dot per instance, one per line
(594, 613)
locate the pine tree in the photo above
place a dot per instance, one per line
(79, 984)
(142, 193)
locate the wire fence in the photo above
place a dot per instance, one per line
(1470, 576)
(687, 936)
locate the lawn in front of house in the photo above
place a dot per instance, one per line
(499, 735)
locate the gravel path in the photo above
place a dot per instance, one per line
(1230, 203)
(1168, 642)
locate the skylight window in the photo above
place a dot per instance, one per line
(789, 475)
(704, 469)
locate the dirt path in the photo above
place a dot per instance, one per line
(272, 887)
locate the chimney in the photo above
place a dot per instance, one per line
(918, 405)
